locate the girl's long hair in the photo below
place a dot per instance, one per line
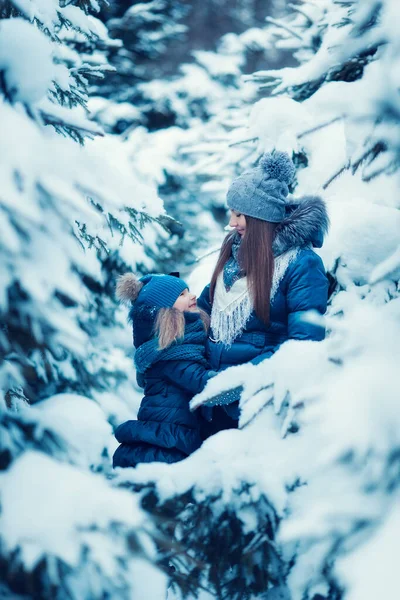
(170, 326)
(256, 260)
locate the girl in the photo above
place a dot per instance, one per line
(169, 334)
(267, 276)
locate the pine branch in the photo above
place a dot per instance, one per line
(301, 11)
(374, 150)
(199, 258)
(375, 174)
(240, 142)
(335, 175)
(287, 28)
(320, 126)
(69, 127)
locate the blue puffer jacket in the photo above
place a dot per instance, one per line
(165, 429)
(303, 287)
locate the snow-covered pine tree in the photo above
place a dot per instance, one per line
(161, 120)
(143, 32)
(65, 209)
(154, 38)
(313, 473)
(78, 215)
(191, 160)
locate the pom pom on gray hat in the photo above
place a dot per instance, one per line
(128, 288)
(278, 165)
(261, 192)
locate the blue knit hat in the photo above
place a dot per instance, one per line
(261, 192)
(147, 295)
(154, 291)
(160, 291)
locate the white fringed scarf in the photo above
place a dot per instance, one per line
(231, 309)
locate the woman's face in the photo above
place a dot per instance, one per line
(238, 221)
(186, 302)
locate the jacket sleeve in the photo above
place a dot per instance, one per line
(203, 300)
(261, 357)
(187, 375)
(307, 290)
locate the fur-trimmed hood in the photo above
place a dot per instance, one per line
(306, 222)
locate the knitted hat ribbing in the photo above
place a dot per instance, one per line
(261, 192)
(160, 291)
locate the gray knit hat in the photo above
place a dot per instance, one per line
(262, 191)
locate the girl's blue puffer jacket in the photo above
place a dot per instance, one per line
(303, 287)
(165, 429)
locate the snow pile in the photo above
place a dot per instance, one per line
(81, 423)
(364, 572)
(52, 511)
(28, 79)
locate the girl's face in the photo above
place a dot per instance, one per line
(186, 302)
(238, 221)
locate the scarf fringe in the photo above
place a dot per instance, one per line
(227, 324)
(229, 320)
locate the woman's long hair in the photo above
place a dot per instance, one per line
(256, 261)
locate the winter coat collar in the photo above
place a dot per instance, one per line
(306, 223)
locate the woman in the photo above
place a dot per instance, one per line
(267, 275)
